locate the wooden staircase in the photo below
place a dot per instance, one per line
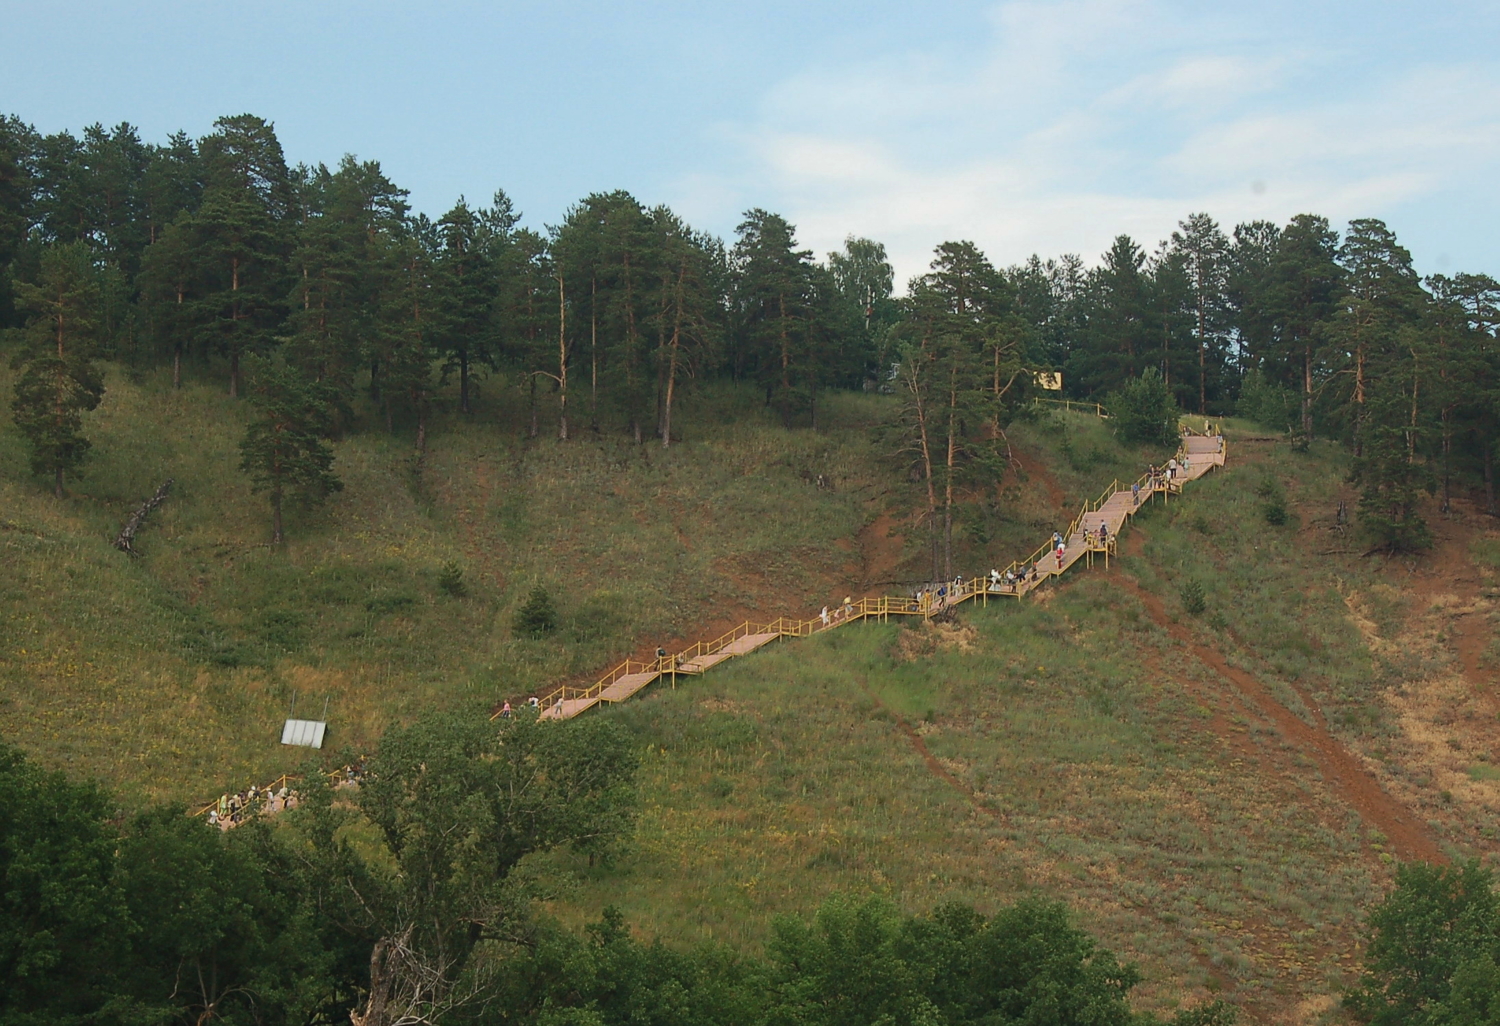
(1093, 532)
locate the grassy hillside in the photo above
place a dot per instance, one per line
(1220, 794)
(169, 674)
(1227, 828)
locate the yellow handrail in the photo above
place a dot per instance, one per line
(1068, 405)
(280, 781)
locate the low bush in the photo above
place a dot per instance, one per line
(536, 618)
(450, 579)
(1144, 411)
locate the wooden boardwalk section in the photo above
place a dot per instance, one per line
(1093, 532)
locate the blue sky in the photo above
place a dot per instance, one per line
(1024, 126)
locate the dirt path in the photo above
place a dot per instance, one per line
(933, 763)
(881, 547)
(1449, 569)
(1348, 776)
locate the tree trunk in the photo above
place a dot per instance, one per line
(1202, 359)
(177, 344)
(1307, 392)
(562, 359)
(1447, 457)
(666, 416)
(1359, 400)
(276, 532)
(916, 390)
(57, 481)
(532, 430)
(234, 316)
(463, 380)
(594, 355)
(948, 483)
(786, 363)
(1489, 477)
(1411, 432)
(374, 1013)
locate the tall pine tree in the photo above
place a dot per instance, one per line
(283, 450)
(58, 381)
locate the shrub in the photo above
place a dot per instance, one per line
(1144, 412)
(1431, 953)
(536, 618)
(1268, 404)
(451, 579)
(1275, 511)
(389, 602)
(1193, 599)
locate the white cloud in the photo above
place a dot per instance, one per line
(1083, 120)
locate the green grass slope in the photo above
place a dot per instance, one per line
(171, 673)
(1077, 744)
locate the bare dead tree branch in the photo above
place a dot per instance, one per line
(125, 541)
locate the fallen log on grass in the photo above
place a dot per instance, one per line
(126, 540)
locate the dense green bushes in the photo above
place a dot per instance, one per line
(393, 901)
(1144, 411)
(1434, 945)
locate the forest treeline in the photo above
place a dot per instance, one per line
(315, 292)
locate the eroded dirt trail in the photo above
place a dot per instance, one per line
(1349, 777)
(882, 544)
(1037, 471)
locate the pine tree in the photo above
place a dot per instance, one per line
(1204, 253)
(18, 188)
(283, 450)
(341, 269)
(1303, 286)
(691, 274)
(402, 339)
(774, 299)
(1247, 281)
(239, 240)
(536, 617)
(605, 250)
(959, 328)
(169, 274)
(464, 294)
(58, 381)
(524, 316)
(1119, 315)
